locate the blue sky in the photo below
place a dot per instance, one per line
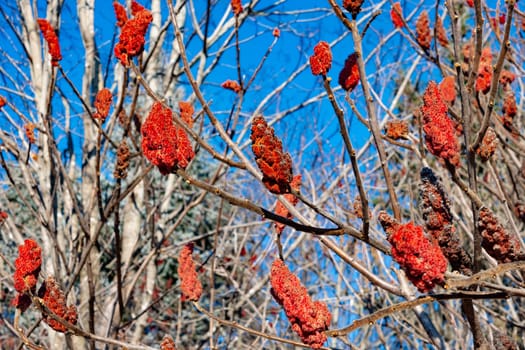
(302, 24)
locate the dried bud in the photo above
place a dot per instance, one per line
(54, 300)
(236, 7)
(440, 135)
(186, 112)
(121, 168)
(397, 129)
(167, 343)
(281, 210)
(423, 262)
(438, 222)
(232, 85)
(488, 145)
(3, 101)
(309, 319)
(396, 14)
(423, 36)
(276, 32)
(353, 6)
(510, 108)
(506, 77)
(163, 143)
(486, 56)
(388, 223)
(467, 55)
(189, 281)
(349, 76)
(123, 118)
(22, 302)
(29, 129)
(496, 241)
(136, 8)
(3, 216)
(52, 41)
(447, 87)
(484, 72)
(103, 104)
(275, 165)
(519, 210)
(508, 124)
(120, 14)
(441, 33)
(484, 78)
(321, 60)
(27, 267)
(131, 40)
(358, 208)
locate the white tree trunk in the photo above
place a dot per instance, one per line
(91, 83)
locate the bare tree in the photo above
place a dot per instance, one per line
(236, 175)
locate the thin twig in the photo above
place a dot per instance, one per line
(484, 275)
(250, 330)
(407, 305)
(495, 80)
(351, 152)
(370, 107)
(196, 89)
